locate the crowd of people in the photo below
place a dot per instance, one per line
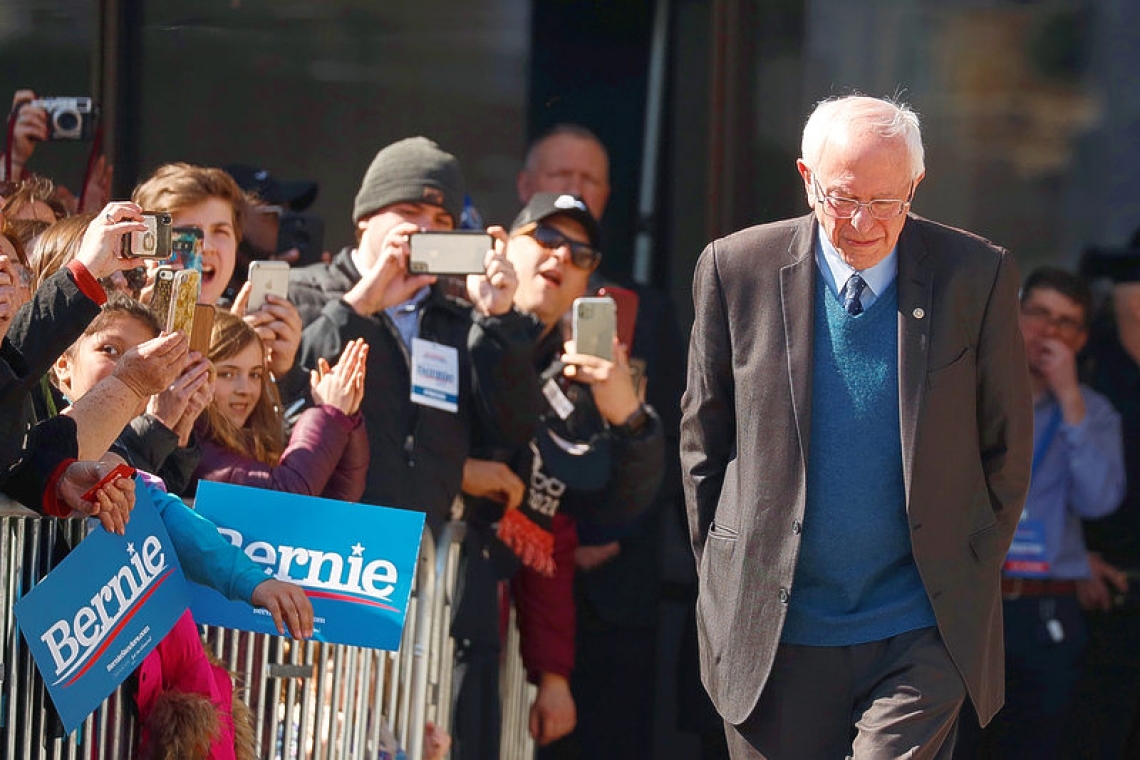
(546, 453)
(995, 424)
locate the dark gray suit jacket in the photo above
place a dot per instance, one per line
(965, 421)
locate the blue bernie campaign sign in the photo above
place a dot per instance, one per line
(93, 619)
(355, 561)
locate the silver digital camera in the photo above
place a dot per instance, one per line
(68, 118)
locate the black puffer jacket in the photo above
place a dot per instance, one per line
(418, 451)
(40, 332)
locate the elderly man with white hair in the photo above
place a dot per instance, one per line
(856, 446)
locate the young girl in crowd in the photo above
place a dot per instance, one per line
(242, 430)
(186, 704)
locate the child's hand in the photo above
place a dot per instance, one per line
(287, 604)
(342, 386)
(437, 742)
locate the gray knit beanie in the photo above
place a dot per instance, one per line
(416, 170)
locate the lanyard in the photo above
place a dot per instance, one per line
(1046, 440)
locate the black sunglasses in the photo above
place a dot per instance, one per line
(584, 255)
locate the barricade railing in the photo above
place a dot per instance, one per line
(308, 699)
(30, 547)
(517, 695)
(327, 701)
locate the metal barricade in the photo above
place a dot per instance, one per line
(517, 695)
(442, 648)
(308, 699)
(30, 547)
(332, 702)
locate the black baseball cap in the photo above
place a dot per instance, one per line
(296, 196)
(545, 205)
(1116, 264)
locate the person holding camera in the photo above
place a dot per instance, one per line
(209, 199)
(596, 460)
(38, 459)
(33, 120)
(413, 323)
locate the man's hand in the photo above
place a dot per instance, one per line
(287, 604)
(1057, 364)
(553, 714)
(592, 557)
(277, 323)
(492, 480)
(1095, 593)
(610, 382)
(151, 366)
(113, 502)
(387, 282)
(493, 292)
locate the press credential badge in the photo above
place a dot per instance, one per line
(435, 375)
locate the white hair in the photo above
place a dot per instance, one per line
(844, 115)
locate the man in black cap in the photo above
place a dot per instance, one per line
(476, 337)
(596, 458)
(1106, 720)
(274, 227)
(295, 196)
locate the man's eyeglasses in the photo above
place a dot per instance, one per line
(584, 255)
(845, 208)
(1040, 317)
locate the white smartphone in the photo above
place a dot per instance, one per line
(594, 325)
(448, 252)
(267, 278)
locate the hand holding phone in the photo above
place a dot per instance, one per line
(185, 290)
(154, 242)
(448, 252)
(266, 278)
(594, 325)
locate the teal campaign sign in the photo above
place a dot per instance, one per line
(94, 618)
(356, 562)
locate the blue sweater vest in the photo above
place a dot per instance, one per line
(855, 579)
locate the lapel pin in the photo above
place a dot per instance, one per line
(919, 313)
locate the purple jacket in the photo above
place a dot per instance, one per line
(327, 456)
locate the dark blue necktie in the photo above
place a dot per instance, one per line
(851, 293)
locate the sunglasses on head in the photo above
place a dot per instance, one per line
(584, 255)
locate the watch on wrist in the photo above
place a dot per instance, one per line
(634, 424)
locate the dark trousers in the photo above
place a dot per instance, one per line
(893, 698)
(614, 685)
(1105, 718)
(1045, 643)
(477, 715)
